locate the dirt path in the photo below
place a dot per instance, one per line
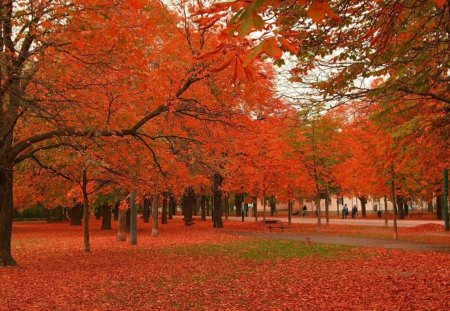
(351, 241)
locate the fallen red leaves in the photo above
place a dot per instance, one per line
(168, 273)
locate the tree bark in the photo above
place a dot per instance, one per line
(385, 212)
(264, 207)
(146, 209)
(76, 214)
(226, 207)
(401, 214)
(238, 203)
(127, 223)
(273, 205)
(188, 203)
(106, 217)
(327, 212)
(217, 193)
(87, 245)
(255, 208)
(164, 209)
(394, 201)
(122, 232)
(133, 218)
(430, 206)
(208, 201)
(439, 207)
(116, 210)
(289, 212)
(363, 206)
(6, 212)
(203, 207)
(155, 205)
(319, 214)
(171, 206)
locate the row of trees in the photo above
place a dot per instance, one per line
(154, 99)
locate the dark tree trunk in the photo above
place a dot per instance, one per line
(430, 206)
(273, 205)
(327, 210)
(121, 233)
(405, 207)
(385, 212)
(203, 207)
(155, 206)
(363, 206)
(401, 214)
(128, 213)
(319, 213)
(196, 207)
(116, 210)
(98, 212)
(106, 217)
(6, 213)
(146, 209)
(188, 202)
(172, 206)
(226, 207)
(87, 245)
(164, 209)
(217, 193)
(255, 209)
(59, 213)
(238, 198)
(439, 207)
(208, 201)
(76, 214)
(289, 212)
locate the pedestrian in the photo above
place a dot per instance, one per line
(354, 211)
(304, 209)
(345, 211)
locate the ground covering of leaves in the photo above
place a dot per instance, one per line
(200, 268)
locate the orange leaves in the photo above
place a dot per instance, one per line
(136, 4)
(319, 9)
(439, 3)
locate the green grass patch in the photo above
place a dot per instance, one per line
(263, 249)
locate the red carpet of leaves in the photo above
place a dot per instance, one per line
(55, 274)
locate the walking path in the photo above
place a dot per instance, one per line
(404, 223)
(351, 241)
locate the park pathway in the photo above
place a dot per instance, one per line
(404, 223)
(350, 241)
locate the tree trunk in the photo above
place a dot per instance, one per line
(405, 208)
(6, 213)
(273, 205)
(196, 207)
(289, 212)
(155, 206)
(208, 201)
(439, 207)
(401, 215)
(188, 202)
(116, 210)
(238, 203)
(122, 231)
(171, 206)
(203, 207)
(430, 206)
(133, 218)
(146, 209)
(394, 201)
(87, 245)
(76, 214)
(227, 207)
(217, 193)
(385, 212)
(319, 213)
(98, 212)
(363, 206)
(255, 208)
(164, 209)
(264, 207)
(127, 227)
(106, 217)
(327, 212)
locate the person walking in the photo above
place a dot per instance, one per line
(345, 212)
(354, 212)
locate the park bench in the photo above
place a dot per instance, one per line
(273, 223)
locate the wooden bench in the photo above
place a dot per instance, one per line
(273, 223)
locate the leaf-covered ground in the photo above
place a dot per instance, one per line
(200, 268)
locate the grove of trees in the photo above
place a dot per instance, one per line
(113, 103)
